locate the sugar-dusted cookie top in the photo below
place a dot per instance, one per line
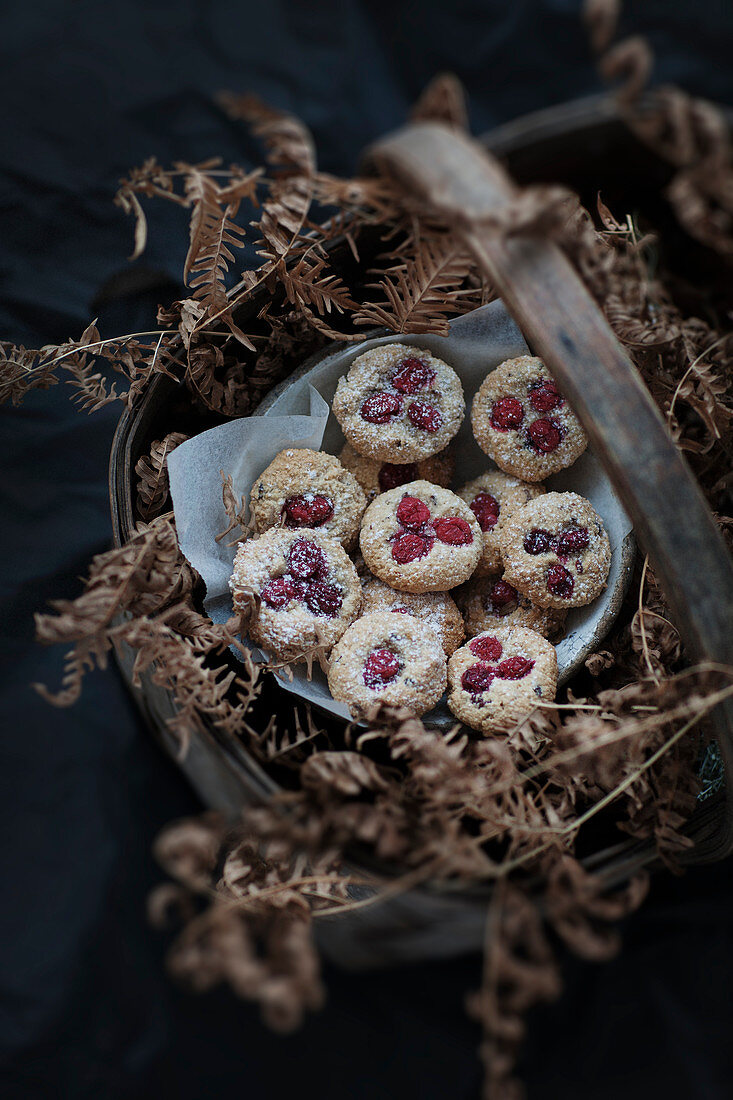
(492, 498)
(302, 488)
(499, 677)
(387, 658)
(522, 421)
(420, 538)
(399, 404)
(309, 590)
(435, 609)
(556, 551)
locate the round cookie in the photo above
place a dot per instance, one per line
(399, 404)
(420, 538)
(521, 421)
(499, 677)
(387, 658)
(377, 477)
(308, 489)
(492, 603)
(492, 498)
(436, 609)
(308, 588)
(556, 551)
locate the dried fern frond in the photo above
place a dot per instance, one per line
(423, 290)
(152, 475)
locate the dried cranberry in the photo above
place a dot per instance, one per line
(507, 414)
(572, 540)
(453, 530)
(323, 599)
(514, 668)
(487, 648)
(413, 376)
(380, 667)
(538, 541)
(477, 678)
(559, 581)
(306, 560)
(381, 407)
(307, 511)
(393, 474)
(412, 513)
(278, 592)
(424, 416)
(545, 397)
(401, 610)
(486, 510)
(544, 435)
(503, 598)
(409, 547)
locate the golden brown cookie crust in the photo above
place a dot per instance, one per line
(515, 417)
(297, 490)
(556, 551)
(507, 493)
(385, 538)
(377, 477)
(482, 690)
(403, 435)
(436, 609)
(419, 681)
(493, 603)
(289, 631)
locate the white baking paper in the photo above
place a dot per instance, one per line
(298, 415)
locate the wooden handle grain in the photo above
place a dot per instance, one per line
(459, 179)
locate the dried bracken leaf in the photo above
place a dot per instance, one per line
(152, 476)
(422, 289)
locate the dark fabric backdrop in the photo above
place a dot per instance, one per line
(90, 89)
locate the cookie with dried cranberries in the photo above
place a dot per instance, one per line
(493, 602)
(420, 538)
(499, 677)
(556, 551)
(522, 421)
(308, 588)
(435, 609)
(377, 477)
(305, 489)
(399, 404)
(492, 498)
(387, 658)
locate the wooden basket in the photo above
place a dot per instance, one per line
(586, 146)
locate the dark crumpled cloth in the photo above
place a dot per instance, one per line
(90, 89)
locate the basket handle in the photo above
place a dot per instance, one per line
(458, 178)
